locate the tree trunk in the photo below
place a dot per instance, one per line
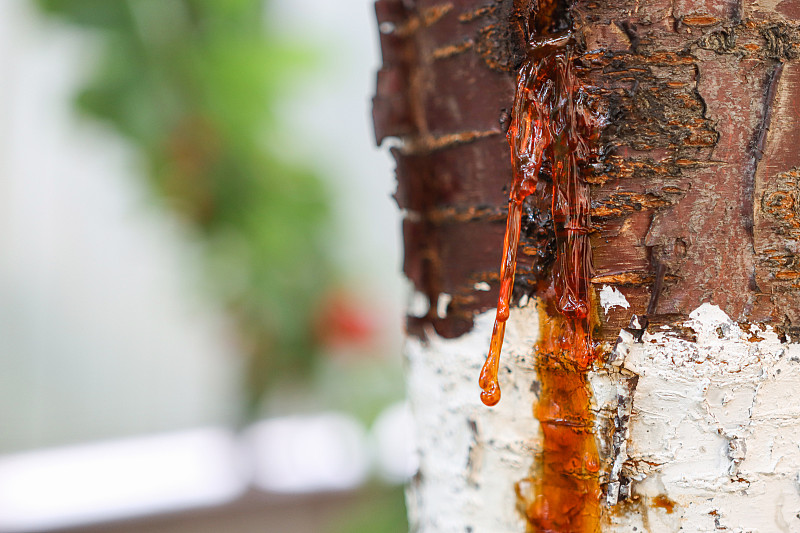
(694, 189)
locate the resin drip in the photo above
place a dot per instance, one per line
(552, 135)
(528, 136)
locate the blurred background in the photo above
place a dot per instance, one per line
(200, 297)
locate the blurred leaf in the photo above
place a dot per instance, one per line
(193, 84)
(88, 12)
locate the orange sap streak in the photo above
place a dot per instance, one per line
(552, 129)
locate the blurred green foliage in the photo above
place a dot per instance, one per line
(382, 511)
(194, 85)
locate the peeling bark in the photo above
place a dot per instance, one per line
(700, 101)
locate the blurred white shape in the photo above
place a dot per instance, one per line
(308, 453)
(394, 444)
(118, 479)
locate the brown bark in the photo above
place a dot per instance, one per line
(698, 194)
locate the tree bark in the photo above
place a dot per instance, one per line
(695, 205)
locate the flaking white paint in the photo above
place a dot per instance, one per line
(612, 297)
(714, 426)
(418, 304)
(470, 454)
(442, 303)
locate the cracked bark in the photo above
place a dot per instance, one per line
(697, 201)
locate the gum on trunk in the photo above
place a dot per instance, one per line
(552, 134)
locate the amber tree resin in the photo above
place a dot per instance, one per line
(551, 136)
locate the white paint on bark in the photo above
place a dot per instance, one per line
(715, 427)
(418, 305)
(711, 424)
(612, 297)
(442, 303)
(470, 454)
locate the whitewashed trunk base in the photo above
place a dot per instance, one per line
(714, 427)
